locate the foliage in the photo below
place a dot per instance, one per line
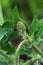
(30, 33)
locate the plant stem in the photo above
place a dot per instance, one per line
(37, 50)
(35, 47)
(18, 49)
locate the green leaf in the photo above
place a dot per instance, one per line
(3, 32)
(40, 33)
(5, 59)
(6, 29)
(9, 48)
(40, 23)
(34, 25)
(1, 15)
(16, 14)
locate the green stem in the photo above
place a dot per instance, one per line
(18, 49)
(35, 47)
(37, 50)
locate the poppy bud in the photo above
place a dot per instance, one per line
(21, 26)
(21, 29)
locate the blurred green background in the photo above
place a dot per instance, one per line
(27, 8)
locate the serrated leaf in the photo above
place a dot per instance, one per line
(40, 33)
(16, 14)
(34, 25)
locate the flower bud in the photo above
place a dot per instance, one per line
(21, 29)
(21, 26)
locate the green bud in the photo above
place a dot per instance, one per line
(21, 26)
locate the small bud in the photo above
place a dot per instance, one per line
(21, 29)
(21, 26)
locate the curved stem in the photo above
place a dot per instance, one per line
(18, 49)
(33, 45)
